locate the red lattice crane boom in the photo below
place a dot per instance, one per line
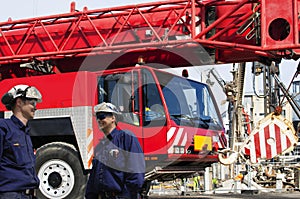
(179, 115)
(233, 31)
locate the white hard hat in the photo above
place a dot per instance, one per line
(106, 107)
(21, 90)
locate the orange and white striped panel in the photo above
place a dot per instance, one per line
(90, 147)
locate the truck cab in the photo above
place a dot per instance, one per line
(175, 119)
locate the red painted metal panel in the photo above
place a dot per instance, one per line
(155, 140)
(151, 27)
(243, 16)
(278, 23)
(73, 89)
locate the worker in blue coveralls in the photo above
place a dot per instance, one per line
(118, 165)
(18, 178)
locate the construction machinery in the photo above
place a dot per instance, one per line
(62, 55)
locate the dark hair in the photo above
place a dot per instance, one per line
(9, 101)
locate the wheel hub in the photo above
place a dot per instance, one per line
(57, 179)
(54, 179)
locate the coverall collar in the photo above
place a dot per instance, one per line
(19, 123)
(113, 133)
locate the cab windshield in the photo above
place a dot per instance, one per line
(189, 103)
(137, 93)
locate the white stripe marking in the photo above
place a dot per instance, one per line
(283, 142)
(184, 141)
(272, 140)
(177, 138)
(252, 150)
(262, 143)
(170, 133)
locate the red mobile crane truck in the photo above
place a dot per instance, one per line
(82, 58)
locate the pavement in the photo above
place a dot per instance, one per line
(228, 189)
(234, 196)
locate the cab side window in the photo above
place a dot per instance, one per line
(154, 114)
(121, 90)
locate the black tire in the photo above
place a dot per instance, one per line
(60, 172)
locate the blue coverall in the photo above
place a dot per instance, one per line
(118, 167)
(17, 160)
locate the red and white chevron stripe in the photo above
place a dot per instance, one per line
(176, 137)
(179, 137)
(272, 139)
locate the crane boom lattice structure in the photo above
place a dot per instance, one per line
(91, 57)
(232, 31)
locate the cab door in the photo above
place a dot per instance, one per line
(121, 89)
(153, 117)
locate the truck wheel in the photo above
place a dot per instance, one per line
(60, 172)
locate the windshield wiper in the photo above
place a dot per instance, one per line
(183, 116)
(208, 121)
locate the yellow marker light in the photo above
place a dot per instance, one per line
(202, 143)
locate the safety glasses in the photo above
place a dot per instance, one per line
(102, 116)
(32, 102)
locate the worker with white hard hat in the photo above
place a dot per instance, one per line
(118, 165)
(20, 91)
(18, 178)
